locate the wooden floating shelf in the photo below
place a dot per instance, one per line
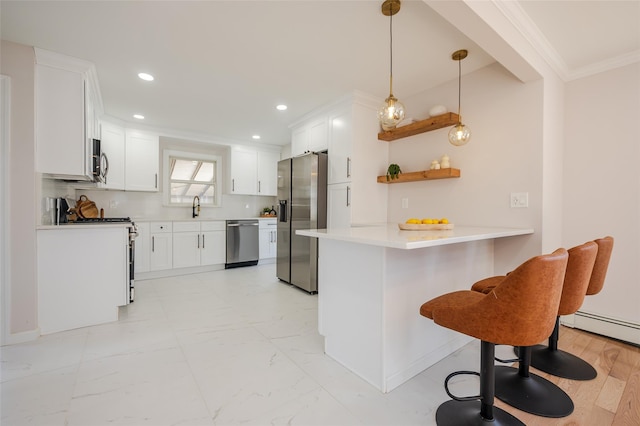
(431, 123)
(422, 175)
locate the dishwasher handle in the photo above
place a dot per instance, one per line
(242, 224)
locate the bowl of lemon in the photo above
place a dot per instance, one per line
(426, 224)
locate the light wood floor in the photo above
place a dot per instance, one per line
(612, 398)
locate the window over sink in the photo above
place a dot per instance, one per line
(191, 174)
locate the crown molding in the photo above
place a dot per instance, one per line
(530, 31)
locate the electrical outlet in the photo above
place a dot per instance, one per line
(519, 200)
(405, 203)
(113, 204)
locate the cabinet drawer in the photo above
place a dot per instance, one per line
(158, 227)
(268, 223)
(218, 225)
(186, 226)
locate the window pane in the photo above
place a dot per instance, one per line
(183, 169)
(205, 174)
(184, 193)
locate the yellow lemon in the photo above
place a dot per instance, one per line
(425, 221)
(444, 220)
(413, 220)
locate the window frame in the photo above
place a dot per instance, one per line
(167, 154)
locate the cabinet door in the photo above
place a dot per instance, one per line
(264, 247)
(339, 205)
(213, 248)
(186, 249)
(268, 173)
(318, 135)
(244, 175)
(112, 146)
(61, 146)
(141, 161)
(340, 147)
(160, 256)
(142, 242)
(299, 141)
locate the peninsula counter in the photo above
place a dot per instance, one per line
(372, 282)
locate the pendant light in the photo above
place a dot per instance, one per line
(392, 111)
(459, 134)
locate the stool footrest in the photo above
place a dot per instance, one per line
(460, 398)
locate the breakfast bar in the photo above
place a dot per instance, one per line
(371, 283)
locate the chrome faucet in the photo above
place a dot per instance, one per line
(195, 207)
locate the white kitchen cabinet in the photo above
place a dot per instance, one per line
(356, 159)
(86, 288)
(113, 147)
(142, 246)
(142, 161)
(186, 244)
(244, 174)
(268, 173)
(310, 136)
(268, 239)
(339, 205)
(67, 101)
(198, 243)
(161, 254)
(213, 249)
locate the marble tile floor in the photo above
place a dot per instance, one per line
(221, 348)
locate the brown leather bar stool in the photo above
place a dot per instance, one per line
(512, 314)
(557, 362)
(530, 392)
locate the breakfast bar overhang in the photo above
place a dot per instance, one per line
(372, 281)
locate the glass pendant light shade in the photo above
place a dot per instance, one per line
(390, 113)
(459, 135)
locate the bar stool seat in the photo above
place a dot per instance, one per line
(511, 314)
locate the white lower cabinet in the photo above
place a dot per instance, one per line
(142, 244)
(161, 242)
(86, 288)
(268, 239)
(198, 243)
(339, 205)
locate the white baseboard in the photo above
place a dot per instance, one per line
(610, 327)
(25, 336)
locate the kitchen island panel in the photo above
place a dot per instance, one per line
(369, 305)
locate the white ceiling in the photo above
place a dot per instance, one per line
(221, 67)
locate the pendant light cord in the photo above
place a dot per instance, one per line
(390, 52)
(459, 85)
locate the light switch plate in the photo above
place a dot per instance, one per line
(405, 203)
(519, 200)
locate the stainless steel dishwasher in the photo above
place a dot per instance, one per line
(242, 243)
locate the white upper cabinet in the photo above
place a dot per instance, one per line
(268, 173)
(142, 159)
(253, 172)
(113, 150)
(310, 136)
(244, 171)
(67, 108)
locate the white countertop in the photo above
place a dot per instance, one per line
(85, 225)
(389, 235)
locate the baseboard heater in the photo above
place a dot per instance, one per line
(611, 327)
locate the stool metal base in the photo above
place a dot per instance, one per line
(532, 393)
(457, 413)
(561, 364)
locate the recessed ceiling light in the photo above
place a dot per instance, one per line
(256, 136)
(138, 116)
(281, 107)
(145, 76)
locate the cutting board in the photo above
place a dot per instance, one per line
(425, 227)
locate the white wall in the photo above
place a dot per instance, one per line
(602, 181)
(504, 155)
(18, 63)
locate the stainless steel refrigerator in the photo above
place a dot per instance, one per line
(302, 204)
